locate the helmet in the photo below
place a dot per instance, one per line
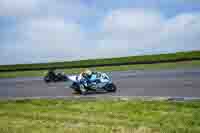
(87, 73)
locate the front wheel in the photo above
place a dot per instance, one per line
(111, 87)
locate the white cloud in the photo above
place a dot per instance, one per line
(45, 39)
(181, 32)
(132, 20)
(140, 31)
(18, 7)
(72, 9)
(123, 32)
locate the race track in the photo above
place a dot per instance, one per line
(174, 83)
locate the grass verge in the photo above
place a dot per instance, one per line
(99, 116)
(158, 66)
(144, 59)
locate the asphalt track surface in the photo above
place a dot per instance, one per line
(173, 83)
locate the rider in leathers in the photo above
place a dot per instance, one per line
(88, 78)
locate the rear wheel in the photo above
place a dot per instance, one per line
(79, 89)
(46, 79)
(83, 90)
(76, 88)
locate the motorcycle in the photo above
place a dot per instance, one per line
(98, 82)
(53, 76)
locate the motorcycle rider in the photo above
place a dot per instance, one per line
(51, 73)
(86, 74)
(89, 77)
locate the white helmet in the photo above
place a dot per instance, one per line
(87, 73)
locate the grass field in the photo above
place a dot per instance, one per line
(159, 66)
(100, 116)
(145, 59)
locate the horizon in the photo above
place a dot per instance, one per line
(100, 58)
(44, 31)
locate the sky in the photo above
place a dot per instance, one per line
(34, 31)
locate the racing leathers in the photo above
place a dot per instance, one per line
(90, 81)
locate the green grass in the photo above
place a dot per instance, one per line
(99, 116)
(159, 66)
(83, 63)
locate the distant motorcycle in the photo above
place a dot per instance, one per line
(53, 76)
(100, 82)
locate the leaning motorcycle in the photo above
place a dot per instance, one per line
(55, 77)
(100, 82)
